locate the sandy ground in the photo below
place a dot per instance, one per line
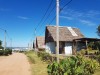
(15, 64)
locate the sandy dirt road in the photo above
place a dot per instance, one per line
(15, 64)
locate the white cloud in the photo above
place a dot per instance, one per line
(78, 14)
(85, 17)
(93, 14)
(69, 18)
(87, 22)
(22, 17)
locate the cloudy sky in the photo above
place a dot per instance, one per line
(21, 17)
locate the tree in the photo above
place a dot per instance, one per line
(98, 30)
(0, 43)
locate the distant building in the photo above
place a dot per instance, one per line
(40, 43)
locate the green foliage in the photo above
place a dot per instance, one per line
(90, 45)
(73, 66)
(1, 45)
(1, 52)
(94, 45)
(81, 52)
(98, 30)
(6, 52)
(98, 58)
(98, 45)
(0, 42)
(45, 56)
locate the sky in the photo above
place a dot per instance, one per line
(21, 17)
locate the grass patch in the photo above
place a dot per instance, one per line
(38, 67)
(97, 72)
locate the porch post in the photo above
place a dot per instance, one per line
(86, 44)
(74, 47)
(73, 50)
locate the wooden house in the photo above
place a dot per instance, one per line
(40, 43)
(66, 37)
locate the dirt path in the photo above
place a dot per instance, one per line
(15, 64)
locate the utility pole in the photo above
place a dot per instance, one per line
(4, 38)
(5, 41)
(57, 30)
(28, 47)
(35, 39)
(11, 43)
(31, 44)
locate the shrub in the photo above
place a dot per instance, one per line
(73, 66)
(9, 51)
(98, 58)
(45, 56)
(1, 52)
(6, 52)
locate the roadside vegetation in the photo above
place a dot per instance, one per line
(38, 67)
(43, 63)
(74, 65)
(5, 52)
(86, 62)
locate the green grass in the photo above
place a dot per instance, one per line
(38, 67)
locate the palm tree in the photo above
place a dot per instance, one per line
(98, 30)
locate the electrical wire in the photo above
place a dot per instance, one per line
(44, 14)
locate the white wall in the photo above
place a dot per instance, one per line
(50, 47)
(68, 48)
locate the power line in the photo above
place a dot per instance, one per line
(47, 17)
(65, 5)
(44, 14)
(59, 11)
(52, 20)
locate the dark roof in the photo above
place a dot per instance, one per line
(88, 39)
(64, 33)
(40, 41)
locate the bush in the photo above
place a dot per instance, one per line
(45, 56)
(73, 66)
(6, 52)
(1, 52)
(98, 58)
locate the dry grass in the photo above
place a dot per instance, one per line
(97, 72)
(38, 67)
